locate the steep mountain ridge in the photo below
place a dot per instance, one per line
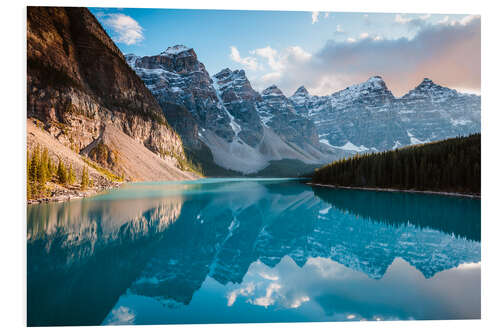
(79, 84)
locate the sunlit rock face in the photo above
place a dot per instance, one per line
(367, 117)
(79, 84)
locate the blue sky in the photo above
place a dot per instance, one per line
(293, 48)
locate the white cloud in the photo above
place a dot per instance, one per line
(248, 62)
(444, 20)
(462, 22)
(402, 19)
(327, 14)
(124, 29)
(469, 18)
(121, 316)
(296, 303)
(268, 299)
(339, 29)
(315, 17)
(267, 79)
(276, 62)
(269, 276)
(351, 40)
(411, 23)
(364, 35)
(270, 55)
(246, 290)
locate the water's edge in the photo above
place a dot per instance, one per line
(376, 189)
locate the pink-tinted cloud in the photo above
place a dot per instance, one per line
(449, 53)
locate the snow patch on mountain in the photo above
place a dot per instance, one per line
(414, 140)
(175, 50)
(350, 146)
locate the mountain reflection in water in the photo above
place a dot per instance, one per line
(231, 250)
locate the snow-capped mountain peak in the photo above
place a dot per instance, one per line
(272, 90)
(175, 50)
(428, 89)
(301, 91)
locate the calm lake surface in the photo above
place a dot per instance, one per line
(238, 251)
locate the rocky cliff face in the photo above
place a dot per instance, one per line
(367, 117)
(431, 112)
(243, 129)
(78, 84)
(278, 113)
(238, 98)
(176, 77)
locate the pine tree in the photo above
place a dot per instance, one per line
(85, 179)
(51, 168)
(62, 175)
(71, 175)
(35, 161)
(42, 169)
(28, 177)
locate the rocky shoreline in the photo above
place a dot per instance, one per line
(453, 194)
(60, 195)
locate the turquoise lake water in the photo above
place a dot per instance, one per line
(252, 250)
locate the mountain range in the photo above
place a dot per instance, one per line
(151, 117)
(247, 131)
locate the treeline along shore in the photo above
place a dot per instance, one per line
(452, 166)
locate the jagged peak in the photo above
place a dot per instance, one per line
(272, 90)
(428, 88)
(224, 72)
(176, 49)
(375, 78)
(426, 82)
(377, 82)
(227, 75)
(301, 91)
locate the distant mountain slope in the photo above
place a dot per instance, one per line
(80, 86)
(452, 165)
(367, 117)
